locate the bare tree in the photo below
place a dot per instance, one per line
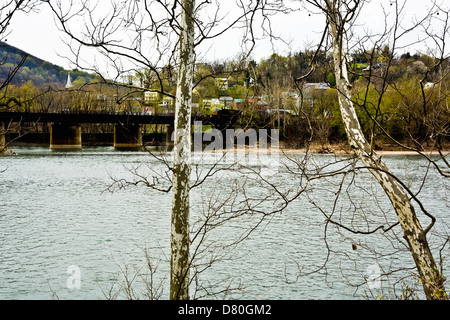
(152, 35)
(9, 8)
(179, 283)
(340, 16)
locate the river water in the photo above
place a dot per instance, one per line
(69, 232)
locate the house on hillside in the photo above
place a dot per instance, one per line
(429, 85)
(150, 96)
(257, 104)
(227, 101)
(211, 104)
(311, 86)
(167, 105)
(312, 92)
(238, 103)
(168, 102)
(164, 105)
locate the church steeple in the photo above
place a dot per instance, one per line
(69, 82)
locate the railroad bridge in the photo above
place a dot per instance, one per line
(65, 129)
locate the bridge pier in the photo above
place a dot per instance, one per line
(169, 132)
(65, 136)
(127, 136)
(2, 138)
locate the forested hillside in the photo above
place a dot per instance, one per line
(39, 72)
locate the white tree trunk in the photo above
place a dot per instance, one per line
(412, 230)
(180, 241)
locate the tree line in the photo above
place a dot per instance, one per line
(271, 82)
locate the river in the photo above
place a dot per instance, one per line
(69, 232)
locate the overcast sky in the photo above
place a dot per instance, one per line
(37, 33)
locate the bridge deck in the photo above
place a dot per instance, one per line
(108, 118)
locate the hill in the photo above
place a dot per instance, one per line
(39, 72)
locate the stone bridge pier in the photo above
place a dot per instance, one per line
(169, 134)
(127, 136)
(65, 136)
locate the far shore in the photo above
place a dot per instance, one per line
(336, 149)
(380, 152)
(328, 152)
(343, 148)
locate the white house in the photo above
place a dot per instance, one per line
(150, 96)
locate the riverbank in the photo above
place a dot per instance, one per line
(338, 148)
(341, 148)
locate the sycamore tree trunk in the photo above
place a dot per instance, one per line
(180, 241)
(433, 282)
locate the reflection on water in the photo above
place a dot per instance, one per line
(56, 213)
